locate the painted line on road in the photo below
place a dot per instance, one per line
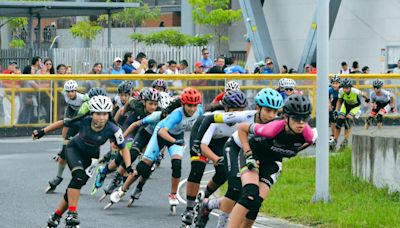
(29, 140)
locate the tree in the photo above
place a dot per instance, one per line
(171, 38)
(216, 15)
(86, 30)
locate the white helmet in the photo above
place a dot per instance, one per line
(165, 100)
(289, 83)
(281, 82)
(232, 85)
(70, 85)
(100, 104)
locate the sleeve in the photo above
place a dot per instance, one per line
(340, 96)
(218, 97)
(233, 117)
(172, 120)
(66, 98)
(269, 130)
(119, 137)
(151, 119)
(84, 109)
(74, 123)
(372, 97)
(357, 91)
(206, 139)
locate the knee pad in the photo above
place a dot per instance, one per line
(176, 168)
(61, 154)
(379, 118)
(347, 124)
(79, 179)
(219, 177)
(252, 214)
(196, 171)
(339, 123)
(143, 170)
(250, 198)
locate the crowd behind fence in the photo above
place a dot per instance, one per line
(25, 106)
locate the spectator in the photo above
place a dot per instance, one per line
(345, 69)
(161, 68)
(198, 68)
(292, 71)
(183, 64)
(355, 68)
(47, 67)
(258, 67)
(61, 69)
(140, 63)
(269, 67)
(68, 70)
(206, 62)
(44, 99)
(365, 70)
(97, 69)
(127, 63)
(396, 70)
(313, 68)
(35, 67)
(233, 67)
(307, 69)
(172, 68)
(219, 66)
(11, 69)
(116, 68)
(152, 67)
(284, 69)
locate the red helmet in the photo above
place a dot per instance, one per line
(190, 96)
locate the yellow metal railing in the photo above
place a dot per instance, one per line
(310, 87)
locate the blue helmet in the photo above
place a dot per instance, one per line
(269, 98)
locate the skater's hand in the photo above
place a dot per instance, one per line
(179, 142)
(392, 109)
(196, 147)
(251, 163)
(129, 169)
(219, 161)
(37, 134)
(335, 114)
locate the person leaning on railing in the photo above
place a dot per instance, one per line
(11, 69)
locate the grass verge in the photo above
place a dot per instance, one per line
(355, 203)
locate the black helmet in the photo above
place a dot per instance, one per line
(336, 78)
(347, 82)
(377, 83)
(297, 105)
(150, 94)
(96, 91)
(234, 99)
(125, 87)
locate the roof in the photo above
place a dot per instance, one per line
(60, 9)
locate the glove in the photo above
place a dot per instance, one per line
(220, 161)
(37, 134)
(251, 163)
(196, 146)
(179, 142)
(129, 169)
(335, 114)
(367, 100)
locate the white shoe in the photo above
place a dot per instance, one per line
(173, 200)
(116, 196)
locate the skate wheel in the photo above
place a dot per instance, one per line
(108, 206)
(130, 203)
(173, 209)
(102, 197)
(49, 189)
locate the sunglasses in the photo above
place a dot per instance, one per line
(300, 119)
(377, 87)
(289, 89)
(49, 64)
(70, 91)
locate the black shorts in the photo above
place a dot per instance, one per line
(193, 134)
(331, 119)
(234, 160)
(70, 112)
(77, 158)
(217, 146)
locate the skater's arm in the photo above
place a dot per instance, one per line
(119, 113)
(243, 133)
(126, 156)
(163, 133)
(132, 127)
(338, 104)
(37, 134)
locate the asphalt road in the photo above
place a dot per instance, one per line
(26, 166)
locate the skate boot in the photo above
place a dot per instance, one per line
(366, 126)
(53, 184)
(115, 197)
(53, 221)
(203, 215)
(379, 125)
(114, 183)
(158, 161)
(332, 145)
(173, 202)
(135, 196)
(187, 218)
(72, 220)
(344, 144)
(100, 177)
(153, 167)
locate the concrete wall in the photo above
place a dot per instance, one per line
(376, 158)
(119, 37)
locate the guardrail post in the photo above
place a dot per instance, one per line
(12, 103)
(55, 103)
